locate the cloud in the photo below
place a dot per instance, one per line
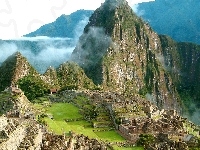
(39, 38)
(91, 47)
(137, 10)
(194, 114)
(79, 28)
(40, 53)
(43, 51)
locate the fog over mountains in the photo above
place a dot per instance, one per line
(41, 52)
(53, 43)
(50, 45)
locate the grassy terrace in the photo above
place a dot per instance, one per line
(63, 111)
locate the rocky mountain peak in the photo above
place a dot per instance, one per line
(122, 53)
(115, 3)
(14, 68)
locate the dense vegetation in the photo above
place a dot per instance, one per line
(33, 87)
(71, 76)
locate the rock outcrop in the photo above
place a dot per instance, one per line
(14, 68)
(122, 53)
(71, 76)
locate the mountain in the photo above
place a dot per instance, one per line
(182, 62)
(67, 76)
(71, 76)
(64, 26)
(58, 39)
(35, 49)
(121, 52)
(176, 18)
(14, 68)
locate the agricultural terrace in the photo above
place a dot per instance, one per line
(56, 115)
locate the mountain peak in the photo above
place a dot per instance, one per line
(118, 50)
(116, 2)
(63, 25)
(14, 68)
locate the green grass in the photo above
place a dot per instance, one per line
(61, 111)
(127, 148)
(81, 122)
(111, 136)
(57, 125)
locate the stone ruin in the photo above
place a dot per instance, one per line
(21, 131)
(139, 116)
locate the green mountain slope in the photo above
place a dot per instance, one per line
(64, 26)
(14, 68)
(122, 53)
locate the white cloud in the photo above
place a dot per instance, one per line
(28, 15)
(48, 52)
(39, 38)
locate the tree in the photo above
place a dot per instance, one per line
(33, 87)
(145, 139)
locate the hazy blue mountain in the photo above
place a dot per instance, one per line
(50, 45)
(64, 26)
(41, 53)
(179, 19)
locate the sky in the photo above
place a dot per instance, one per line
(19, 17)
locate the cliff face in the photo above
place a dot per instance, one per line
(177, 18)
(51, 78)
(125, 55)
(16, 70)
(182, 62)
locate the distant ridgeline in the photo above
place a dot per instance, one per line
(177, 18)
(35, 49)
(121, 53)
(64, 26)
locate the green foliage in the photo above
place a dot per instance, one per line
(69, 87)
(6, 72)
(5, 103)
(71, 76)
(143, 91)
(40, 100)
(33, 87)
(86, 108)
(145, 139)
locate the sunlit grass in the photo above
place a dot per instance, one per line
(62, 111)
(127, 148)
(58, 125)
(112, 136)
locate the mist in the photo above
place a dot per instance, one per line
(194, 114)
(137, 11)
(42, 51)
(91, 47)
